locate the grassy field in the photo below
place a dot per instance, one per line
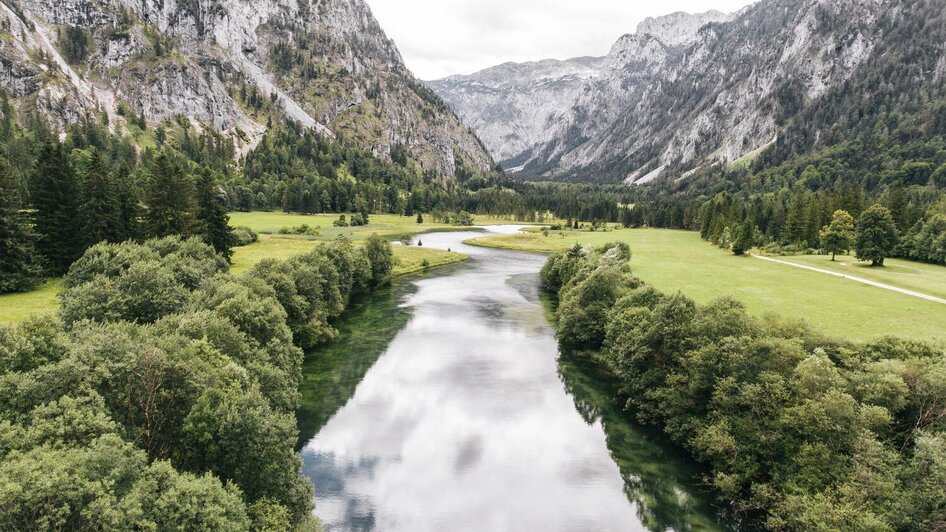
(42, 300)
(917, 276)
(387, 225)
(681, 261)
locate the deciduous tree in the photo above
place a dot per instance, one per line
(838, 236)
(876, 235)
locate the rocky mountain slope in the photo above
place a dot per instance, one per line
(232, 65)
(513, 106)
(687, 92)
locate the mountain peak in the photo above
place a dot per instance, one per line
(679, 28)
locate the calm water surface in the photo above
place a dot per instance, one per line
(445, 407)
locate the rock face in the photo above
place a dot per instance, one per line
(326, 64)
(688, 91)
(513, 107)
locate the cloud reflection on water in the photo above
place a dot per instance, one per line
(464, 424)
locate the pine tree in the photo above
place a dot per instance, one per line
(57, 196)
(627, 217)
(797, 223)
(212, 215)
(19, 262)
(169, 199)
(745, 238)
(129, 204)
(100, 219)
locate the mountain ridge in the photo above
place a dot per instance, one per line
(728, 88)
(326, 64)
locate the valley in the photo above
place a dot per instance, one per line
(651, 270)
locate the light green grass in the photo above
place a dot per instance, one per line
(410, 259)
(42, 300)
(681, 261)
(270, 247)
(387, 225)
(927, 279)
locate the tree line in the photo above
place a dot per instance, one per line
(59, 198)
(163, 394)
(798, 431)
(790, 204)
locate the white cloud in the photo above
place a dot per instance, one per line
(442, 37)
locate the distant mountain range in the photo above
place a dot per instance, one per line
(686, 92)
(226, 64)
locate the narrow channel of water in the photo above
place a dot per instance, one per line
(444, 406)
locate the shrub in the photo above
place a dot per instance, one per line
(244, 236)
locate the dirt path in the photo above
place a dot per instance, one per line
(858, 280)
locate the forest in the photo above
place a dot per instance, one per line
(163, 395)
(797, 431)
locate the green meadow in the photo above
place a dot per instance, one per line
(681, 261)
(43, 300)
(387, 225)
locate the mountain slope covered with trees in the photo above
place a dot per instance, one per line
(235, 67)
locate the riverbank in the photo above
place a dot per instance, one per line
(451, 383)
(681, 261)
(786, 419)
(408, 260)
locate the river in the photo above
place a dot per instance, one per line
(445, 406)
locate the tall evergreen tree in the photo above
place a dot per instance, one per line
(745, 238)
(129, 204)
(169, 198)
(212, 215)
(19, 261)
(100, 219)
(57, 196)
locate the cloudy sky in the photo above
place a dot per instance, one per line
(442, 37)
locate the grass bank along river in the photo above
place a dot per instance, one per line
(444, 406)
(680, 261)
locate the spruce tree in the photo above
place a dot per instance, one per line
(129, 204)
(100, 218)
(19, 261)
(212, 215)
(169, 198)
(57, 196)
(745, 238)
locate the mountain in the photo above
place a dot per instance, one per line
(232, 65)
(512, 106)
(782, 77)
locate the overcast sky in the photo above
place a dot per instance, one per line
(442, 37)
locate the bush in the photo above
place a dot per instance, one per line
(244, 236)
(136, 282)
(303, 229)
